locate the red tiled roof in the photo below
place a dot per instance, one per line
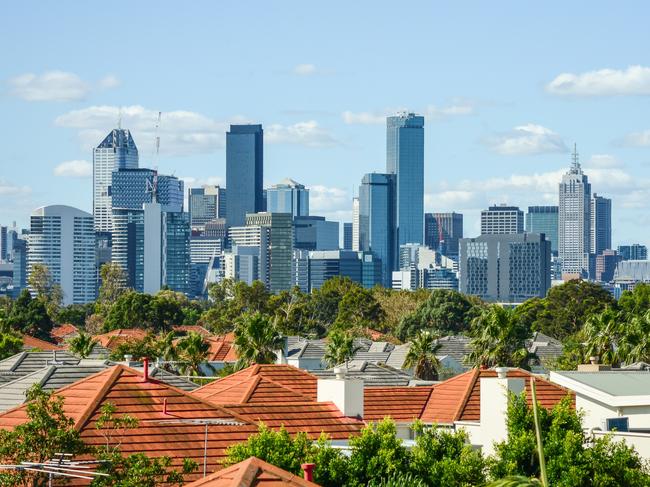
(30, 343)
(221, 349)
(61, 332)
(403, 404)
(114, 338)
(459, 398)
(125, 388)
(310, 417)
(252, 473)
(252, 389)
(289, 377)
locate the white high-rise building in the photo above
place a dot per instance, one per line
(117, 151)
(355, 224)
(62, 238)
(574, 221)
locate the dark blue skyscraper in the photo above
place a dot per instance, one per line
(377, 220)
(244, 172)
(405, 159)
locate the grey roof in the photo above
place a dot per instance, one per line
(545, 347)
(298, 347)
(173, 379)
(99, 352)
(28, 361)
(398, 355)
(8, 377)
(456, 346)
(614, 383)
(373, 375)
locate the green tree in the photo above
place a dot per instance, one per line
(131, 310)
(324, 303)
(82, 344)
(75, 314)
(602, 334)
(30, 316)
(444, 312)
(193, 352)
(358, 308)
(256, 340)
(377, 454)
(421, 356)
(499, 339)
(396, 305)
(635, 344)
(568, 306)
(339, 348)
(635, 302)
(291, 312)
(569, 462)
(445, 457)
(139, 349)
(40, 280)
(10, 343)
(166, 309)
(113, 285)
(46, 432)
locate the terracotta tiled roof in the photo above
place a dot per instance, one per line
(459, 398)
(310, 417)
(62, 332)
(289, 377)
(124, 387)
(252, 473)
(252, 389)
(114, 338)
(192, 328)
(403, 404)
(31, 343)
(221, 349)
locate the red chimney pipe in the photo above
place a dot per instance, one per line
(145, 370)
(308, 468)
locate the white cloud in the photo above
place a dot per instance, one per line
(181, 132)
(308, 133)
(9, 189)
(635, 80)
(527, 139)
(637, 139)
(304, 69)
(331, 202)
(49, 86)
(459, 107)
(603, 161)
(110, 81)
(74, 169)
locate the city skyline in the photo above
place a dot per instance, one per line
(503, 140)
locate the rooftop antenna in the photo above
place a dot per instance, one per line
(574, 157)
(156, 141)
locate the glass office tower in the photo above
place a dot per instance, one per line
(377, 220)
(244, 172)
(405, 159)
(117, 151)
(543, 219)
(288, 196)
(206, 204)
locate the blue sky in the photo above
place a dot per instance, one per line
(506, 89)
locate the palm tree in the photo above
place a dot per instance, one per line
(636, 346)
(422, 356)
(602, 333)
(82, 344)
(499, 339)
(339, 349)
(166, 349)
(193, 352)
(257, 340)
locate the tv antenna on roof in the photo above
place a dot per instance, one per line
(61, 466)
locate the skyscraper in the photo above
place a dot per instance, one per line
(601, 224)
(574, 220)
(315, 233)
(405, 159)
(505, 268)
(543, 219)
(501, 220)
(205, 204)
(376, 220)
(633, 252)
(288, 196)
(355, 223)
(4, 243)
(347, 236)
(442, 232)
(280, 247)
(116, 151)
(63, 239)
(244, 172)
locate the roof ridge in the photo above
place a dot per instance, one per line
(19, 360)
(475, 373)
(246, 473)
(101, 392)
(48, 373)
(249, 392)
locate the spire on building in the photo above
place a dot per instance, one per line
(575, 160)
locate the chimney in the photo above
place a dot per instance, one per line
(494, 407)
(145, 370)
(344, 392)
(593, 365)
(308, 469)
